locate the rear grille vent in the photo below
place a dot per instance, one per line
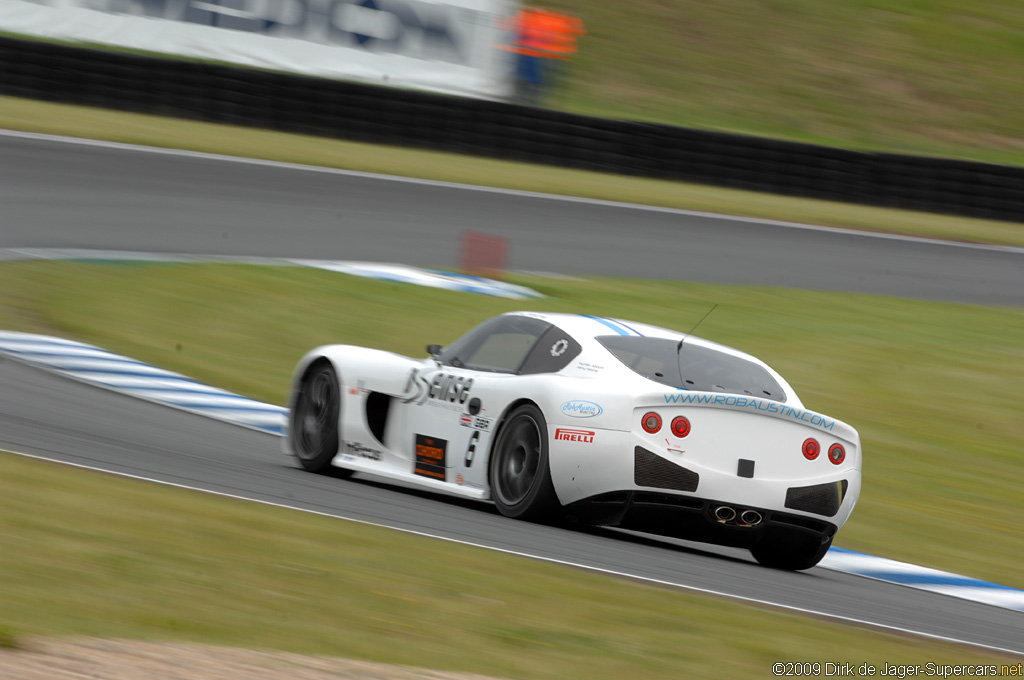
(641, 498)
(821, 499)
(654, 471)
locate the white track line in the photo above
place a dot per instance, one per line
(551, 560)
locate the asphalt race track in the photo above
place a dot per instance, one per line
(57, 418)
(60, 195)
(54, 194)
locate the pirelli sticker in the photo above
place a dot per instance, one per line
(430, 457)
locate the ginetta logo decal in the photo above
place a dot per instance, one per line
(441, 388)
(565, 434)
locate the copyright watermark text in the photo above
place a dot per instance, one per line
(831, 669)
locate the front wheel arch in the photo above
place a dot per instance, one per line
(314, 430)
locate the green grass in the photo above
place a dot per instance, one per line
(930, 386)
(46, 117)
(918, 76)
(8, 639)
(83, 553)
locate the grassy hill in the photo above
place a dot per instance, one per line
(914, 76)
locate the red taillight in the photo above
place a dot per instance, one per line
(811, 449)
(680, 426)
(651, 422)
(836, 454)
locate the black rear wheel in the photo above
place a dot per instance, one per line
(313, 422)
(520, 477)
(791, 553)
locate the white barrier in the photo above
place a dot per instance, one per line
(448, 46)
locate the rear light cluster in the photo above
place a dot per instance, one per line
(811, 449)
(651, 422)
(680, 426)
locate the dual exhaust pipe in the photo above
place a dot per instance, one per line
(724, 514)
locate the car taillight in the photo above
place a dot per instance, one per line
(811, 449)
(680, 426)
(836, 454)
(651, 422)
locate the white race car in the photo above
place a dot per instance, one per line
(606, 421)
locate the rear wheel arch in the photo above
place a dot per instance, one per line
(502, 421)
(518, 469)
(508, 411)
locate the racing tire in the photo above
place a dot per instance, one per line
(792, 554)
(313, 422)
(520, 475)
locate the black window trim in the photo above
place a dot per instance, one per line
(496, 321)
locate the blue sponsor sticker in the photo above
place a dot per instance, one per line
(581, 409)
(751, 403)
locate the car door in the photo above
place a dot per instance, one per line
(450, 414)
(433, 418)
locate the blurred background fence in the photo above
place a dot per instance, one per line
(386, 115)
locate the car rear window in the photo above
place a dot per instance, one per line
(692, 367)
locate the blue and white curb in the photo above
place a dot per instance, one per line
(398, 273)
(99, 367)
(424, 277)
(923, 578)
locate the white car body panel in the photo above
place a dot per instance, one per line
(593, 409)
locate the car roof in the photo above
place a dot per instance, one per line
(587, 326)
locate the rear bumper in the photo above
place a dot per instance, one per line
(768, 480)
(693, 518)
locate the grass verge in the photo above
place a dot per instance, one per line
(45, 117)
(90, 554)
(929, 385)
(9, 639)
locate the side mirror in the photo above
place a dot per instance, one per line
(433, 350)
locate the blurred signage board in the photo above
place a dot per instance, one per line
(448, 46)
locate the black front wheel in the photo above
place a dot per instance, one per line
(520, 477)
(313, 422)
